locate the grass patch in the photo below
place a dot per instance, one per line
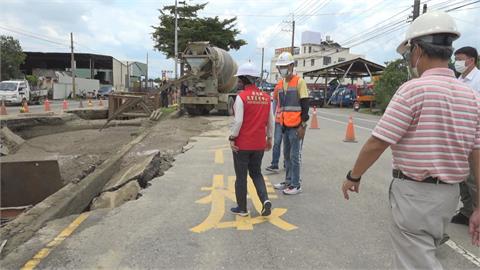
(168, 110)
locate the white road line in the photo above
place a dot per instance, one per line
(465, 253)
(343, 123)
(343, 115)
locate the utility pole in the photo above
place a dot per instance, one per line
(416, 9)
(146, 75)
(128, 77)
(261, 73)
(72, 66)
(293, 33)
(176, 40)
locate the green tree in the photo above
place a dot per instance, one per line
(12, 57)
(220, 33)
(32, 80)
(394, 75)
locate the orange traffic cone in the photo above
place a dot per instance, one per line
(314, 122)
(65, 105)
(80, 105)
(24, 108)
(3, 109)
(90, 104)
(350, 136)
(47, 105)
(100, 103)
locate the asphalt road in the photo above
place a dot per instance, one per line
(181, 222)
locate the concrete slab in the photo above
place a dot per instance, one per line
(116, 198)
(10, 141)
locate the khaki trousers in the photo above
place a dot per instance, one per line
(420, 214)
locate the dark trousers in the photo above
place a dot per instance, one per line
(248, 162)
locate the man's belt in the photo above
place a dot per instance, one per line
(431, 180)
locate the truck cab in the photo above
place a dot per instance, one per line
(14, 92)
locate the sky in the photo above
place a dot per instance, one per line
(122, 28)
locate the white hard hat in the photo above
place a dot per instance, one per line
(434, 22)
(248, 69)
(285, 59)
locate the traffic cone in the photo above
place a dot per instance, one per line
(80, 105)
(314, 122)
(100, 103)
(47, 105)
(90, 104)
(24, 108)
(3, 109)
(350, 136)
(65, 105)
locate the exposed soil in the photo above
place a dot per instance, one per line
(79, 152)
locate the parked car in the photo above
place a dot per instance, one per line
(105, 91)
(317, 98)
(343, 97)
(15, 92)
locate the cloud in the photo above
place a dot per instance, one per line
(122, 29)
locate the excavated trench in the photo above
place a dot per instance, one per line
(97, 169)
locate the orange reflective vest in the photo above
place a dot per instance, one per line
(289, 103)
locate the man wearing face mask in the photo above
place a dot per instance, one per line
(432, 125)
(465, 63)
(293, 116)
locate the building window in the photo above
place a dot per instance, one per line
(312, 62)
(276, 77)
(296, 63)
(327, 60)
(304, 49)
(309, 49)
(341, 59)
(303, 62)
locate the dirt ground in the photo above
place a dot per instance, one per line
(79, 152)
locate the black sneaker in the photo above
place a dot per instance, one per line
(267, 208)
(237, 211)
(272, 168)
(460, 219)
(444, 239)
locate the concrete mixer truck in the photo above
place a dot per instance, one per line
(208, 82)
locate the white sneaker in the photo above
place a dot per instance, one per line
(292, 190)
(280, 186)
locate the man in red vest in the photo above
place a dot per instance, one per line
(252, 132)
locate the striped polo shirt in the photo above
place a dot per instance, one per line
(432, 124)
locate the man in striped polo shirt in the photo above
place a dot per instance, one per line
(432, 125)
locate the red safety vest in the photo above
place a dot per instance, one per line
(289, 101)
(256, 111)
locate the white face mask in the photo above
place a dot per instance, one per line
(414, 70)
(283, 72)
(460, 66)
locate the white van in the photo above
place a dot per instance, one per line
(14, 91)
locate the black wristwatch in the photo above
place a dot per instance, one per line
(232, 138)
(350, 178)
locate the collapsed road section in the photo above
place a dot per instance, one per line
(74, 167)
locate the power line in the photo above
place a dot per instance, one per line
(33, 36)
(471, 3)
